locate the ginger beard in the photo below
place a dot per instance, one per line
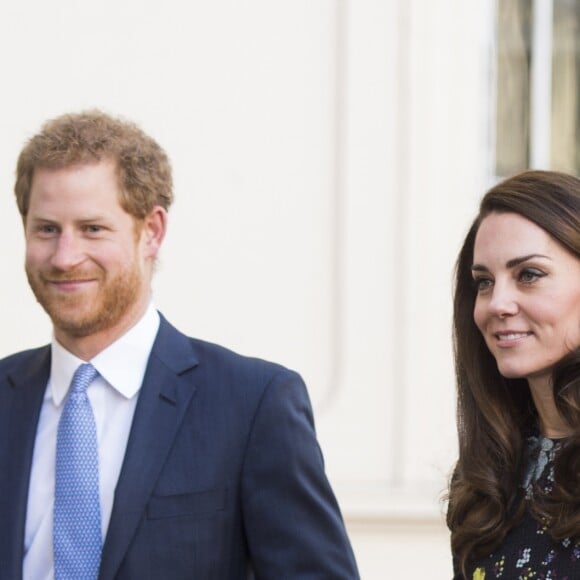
(87, 311)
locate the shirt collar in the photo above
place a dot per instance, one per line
(122, 364)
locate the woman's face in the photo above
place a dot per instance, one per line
(528, 296)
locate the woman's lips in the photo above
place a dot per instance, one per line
(511, 337)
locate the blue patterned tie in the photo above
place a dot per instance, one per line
(77, 511)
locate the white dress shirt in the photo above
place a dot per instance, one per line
(113, 395)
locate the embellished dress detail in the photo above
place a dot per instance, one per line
(528, 552)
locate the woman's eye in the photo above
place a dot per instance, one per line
(530, 275)
(481, 283)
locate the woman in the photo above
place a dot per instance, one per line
(514, 499)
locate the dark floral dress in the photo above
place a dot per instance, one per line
(528, 552)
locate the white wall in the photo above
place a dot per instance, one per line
(328, 156)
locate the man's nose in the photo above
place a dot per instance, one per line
(68, 251)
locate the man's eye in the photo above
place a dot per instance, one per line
(93, 229)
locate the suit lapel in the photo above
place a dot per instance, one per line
(165, 395)
(20, 404)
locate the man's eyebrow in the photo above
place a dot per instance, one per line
(39, 220)
(93, 218)
(510, 263)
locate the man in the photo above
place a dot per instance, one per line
(131, 451)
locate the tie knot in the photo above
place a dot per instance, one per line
(83, 377)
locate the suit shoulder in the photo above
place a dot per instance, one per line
(221, 369)
(215, 354)
(23, 365)
(246, 384)
(22, 358)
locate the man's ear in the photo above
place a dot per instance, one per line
(153, 232)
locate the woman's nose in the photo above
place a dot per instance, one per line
(503, 300)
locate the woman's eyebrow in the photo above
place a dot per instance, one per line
(517, 261)
(510, 263)
(479, 268)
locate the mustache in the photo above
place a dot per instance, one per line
(70, 276)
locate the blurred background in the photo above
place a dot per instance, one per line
(328, 157)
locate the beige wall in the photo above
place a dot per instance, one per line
(328, 156)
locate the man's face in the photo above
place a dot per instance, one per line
(86, 257)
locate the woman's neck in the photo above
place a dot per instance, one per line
(552, 424)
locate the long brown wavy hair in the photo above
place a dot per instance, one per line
(496, 414)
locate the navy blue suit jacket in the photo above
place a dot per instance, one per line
(222, 475)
